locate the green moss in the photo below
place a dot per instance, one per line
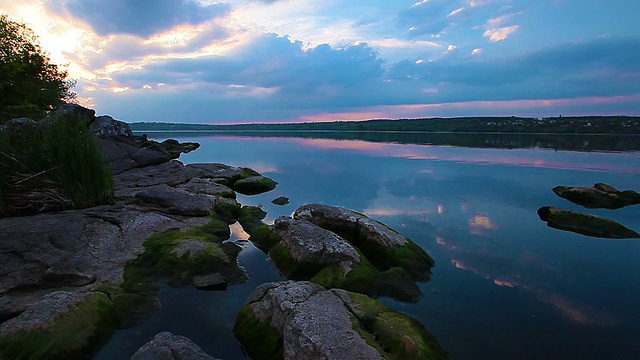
(247, 172)
(260, 340)
(254, 185)
(250, 217)
(366, 279)
(71, 335)
(395, 335)
(264, 238)
(216, 227)
(291, 268)
(227, 210)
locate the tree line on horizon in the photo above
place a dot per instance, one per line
(566, 125)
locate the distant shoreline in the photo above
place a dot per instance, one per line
(595, 125)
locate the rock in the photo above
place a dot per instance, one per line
(302, 320)
(209, 187)
(213, 281)
(281, 200)
(17, 124)
(174, 148)
(106, 126)
(334, 217)
(166, 346)
(122, 153)
(254, 185)
(309, 248)
(585, 224)
(61, 325)
(78, 249)
(599, 196)
(71, 111)
(326, 245)
(172, 201)
(383, 246)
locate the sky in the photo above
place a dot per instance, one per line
(244, 61)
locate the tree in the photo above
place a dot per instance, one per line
(29, 84)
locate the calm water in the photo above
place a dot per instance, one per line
(505, 286)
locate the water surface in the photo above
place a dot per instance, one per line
(505, 286)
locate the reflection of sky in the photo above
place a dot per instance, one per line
(519, 157)
(474, 211)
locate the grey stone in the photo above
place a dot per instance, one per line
(599, 196)
(280, 200)
(105, 125)
(309, 243)
(585, 224)
(335, 217)
(314, 322)
(190, 246)
(167, 346)
(173, 201)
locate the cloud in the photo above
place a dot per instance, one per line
(140, 17)
(270, 62)
(593, 68)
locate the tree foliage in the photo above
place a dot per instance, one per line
(30, 84)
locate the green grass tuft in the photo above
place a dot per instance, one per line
(51, 167)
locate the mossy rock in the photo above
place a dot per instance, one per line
(250, 182)
(250, 217)
(71, 335)
(585, 224)
(261, 340)
(227, 209)
(393, 334)
(366, 279)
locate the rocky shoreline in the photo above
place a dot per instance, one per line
(70, 278)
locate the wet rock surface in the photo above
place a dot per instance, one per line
(585, 224)
(167, 346)
(599, 196)
(303, 320)
(84, 251)
(339, 248)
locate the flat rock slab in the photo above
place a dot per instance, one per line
(173, 201)
(167, 346)
(599, 196)
(309, 243)
(585, 224)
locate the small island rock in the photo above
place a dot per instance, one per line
(599, 196)
(585, 224)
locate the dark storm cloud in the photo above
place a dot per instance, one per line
(140, 17)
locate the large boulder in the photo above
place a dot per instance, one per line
(61, 325)
(337, 247)
(599, 196)
(309, 248)
(303, 320)
(167, 346)
(106, 126)
(585, 224)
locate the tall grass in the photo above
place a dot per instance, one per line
(51, 167)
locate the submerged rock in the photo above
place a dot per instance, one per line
(280, 200)
(213, 281)
(303, 320)
(167, 346)
(585, 224)
(340, 248)
(599, 196)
